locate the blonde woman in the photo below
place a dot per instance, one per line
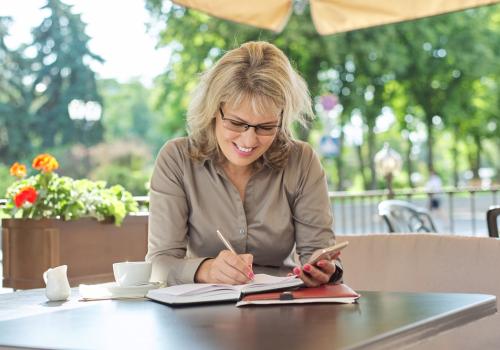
(241, 172)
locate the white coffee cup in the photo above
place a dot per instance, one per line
(132, 273)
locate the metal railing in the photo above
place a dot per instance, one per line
(462, 210)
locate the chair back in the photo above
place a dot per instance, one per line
(492, 220)
(401, 216)
(429, 263)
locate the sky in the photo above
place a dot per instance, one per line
(117, 29)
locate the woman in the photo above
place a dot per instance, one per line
(239, 171)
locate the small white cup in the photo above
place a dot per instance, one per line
(132, 273)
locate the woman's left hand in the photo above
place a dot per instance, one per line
(318, 274)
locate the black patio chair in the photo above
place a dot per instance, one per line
(492, 220)
(401, 216)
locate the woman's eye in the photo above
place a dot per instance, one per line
(267, 128)
(235, 123)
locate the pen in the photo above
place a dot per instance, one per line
(226, 242)
(228, 245)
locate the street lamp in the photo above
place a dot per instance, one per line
(388, 162)
(80, 110)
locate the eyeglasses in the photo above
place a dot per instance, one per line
(237, 126)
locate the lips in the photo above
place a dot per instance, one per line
(243, 151)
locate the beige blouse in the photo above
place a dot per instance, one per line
(190, 200)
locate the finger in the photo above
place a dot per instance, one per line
(225, 272)
(236, 261)
(232, 276)
(326, 266)
(236, 268)
(248, 260)
(316, 273)
(308, 280)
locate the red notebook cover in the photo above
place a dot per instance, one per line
(324, 291)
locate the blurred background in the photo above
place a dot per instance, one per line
(102, 85)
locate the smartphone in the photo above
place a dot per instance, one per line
(326, 253)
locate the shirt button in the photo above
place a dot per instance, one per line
(242, 231)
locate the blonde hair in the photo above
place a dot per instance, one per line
(258, 72)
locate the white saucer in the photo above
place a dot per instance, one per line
(113, 290)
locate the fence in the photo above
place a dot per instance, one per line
(462, 211)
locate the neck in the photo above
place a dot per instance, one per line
(237, 170)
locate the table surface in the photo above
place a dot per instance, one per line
(378, 320)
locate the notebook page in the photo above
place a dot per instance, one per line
(195, 288)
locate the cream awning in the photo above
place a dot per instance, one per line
(329, 16)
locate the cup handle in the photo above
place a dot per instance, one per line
(45, 276)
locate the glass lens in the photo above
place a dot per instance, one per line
(265, 130)
(234, 125)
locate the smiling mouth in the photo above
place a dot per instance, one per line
(244, 149)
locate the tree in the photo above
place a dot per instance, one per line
(61, 74)
(16, 121)
(445, 51)
(420, 63)
(128, 113)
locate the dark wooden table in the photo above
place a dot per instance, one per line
(380, 320)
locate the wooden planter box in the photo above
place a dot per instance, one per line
(87, 246)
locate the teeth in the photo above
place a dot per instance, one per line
(243, 149)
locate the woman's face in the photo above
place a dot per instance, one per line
(241, 149)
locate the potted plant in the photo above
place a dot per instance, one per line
(50, 220)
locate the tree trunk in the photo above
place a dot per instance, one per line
(454, 152)
(339, 161)
(430, 142)
(359, 151)
(477, 160)
(371, 161)
(409, 164)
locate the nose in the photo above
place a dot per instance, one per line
(249, 137)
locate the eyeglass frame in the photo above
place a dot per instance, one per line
(247, 126)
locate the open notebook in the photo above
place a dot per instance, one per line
(205, 293)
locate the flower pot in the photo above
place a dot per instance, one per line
(87, 246)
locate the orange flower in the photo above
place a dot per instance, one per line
(45, 162)
(26, 194)
(18, 170)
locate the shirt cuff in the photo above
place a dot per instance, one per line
(186, 272)
(339, 272)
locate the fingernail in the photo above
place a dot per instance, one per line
(251, 275)
(321, 263)
(296, 271)
(307, 268)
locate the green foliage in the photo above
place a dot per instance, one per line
(134, 180)
(35, 90)
(5, 178)
(68, 199)
(62, 74)
(129, 113)
(444, 66)
(16, 119)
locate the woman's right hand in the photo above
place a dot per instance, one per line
(226, 268)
